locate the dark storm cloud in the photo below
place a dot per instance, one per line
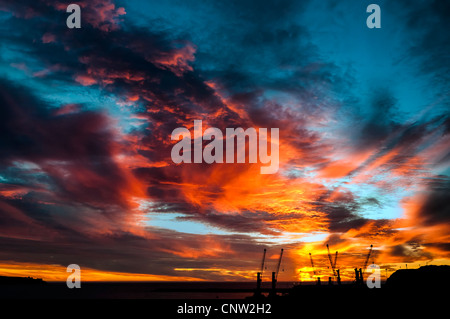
(30, 130)
(267, 47)
(335, 239)
(79, 145)
(341, 212)
(131, 61)
(345, 213)
(435, 209)
(381, 123)
(402, 143)
(135, 61)
(245, 222)
(410, 251)
(342, 219)
(429, 19)
(123, 61)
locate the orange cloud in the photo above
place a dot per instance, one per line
(59, 273)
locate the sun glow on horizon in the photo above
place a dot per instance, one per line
(57, 273)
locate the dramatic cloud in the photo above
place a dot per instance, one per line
(86, 117)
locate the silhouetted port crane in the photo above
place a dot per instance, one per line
(275, 274)
(331, 261)
(314, 269)
(279, 264)
(312, 264)
(259, 275)
(365, 263)
(337, 270)
(262, 263)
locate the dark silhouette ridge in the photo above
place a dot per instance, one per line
(6, 280)
(423, 277)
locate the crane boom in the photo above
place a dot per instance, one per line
(368, 256)
(331, 261)
(367, 260)
(335, 260)
(312, 264)
(262, 263)
(279, 263)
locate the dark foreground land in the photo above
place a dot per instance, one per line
(426, 279)
(409, 289)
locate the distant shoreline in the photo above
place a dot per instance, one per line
(8, 280)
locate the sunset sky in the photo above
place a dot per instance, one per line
(86, 116)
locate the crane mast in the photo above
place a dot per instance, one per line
(331, 261)
(273, 292)
(312, 264)
(365, 263)
(279, 263)
(335, 260)
(262, 263)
